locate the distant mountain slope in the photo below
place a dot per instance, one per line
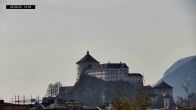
(93, 91)
(184, 70)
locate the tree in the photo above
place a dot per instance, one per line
(56, 87)
(120, 102)
(140, 101)
(186, 103)
(53, 89)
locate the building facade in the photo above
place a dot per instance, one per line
(163, 97)
(135, 78)
(108, 71)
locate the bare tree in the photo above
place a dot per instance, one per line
(187, 102)
(53, 89)
(56, 87)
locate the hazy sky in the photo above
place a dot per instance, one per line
(41, 46)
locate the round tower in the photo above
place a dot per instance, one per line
(85, 63)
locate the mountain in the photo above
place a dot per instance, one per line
(182, 72)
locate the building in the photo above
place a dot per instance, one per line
(85, 63)
(163, 88)
(163, 97)
(135, 78)
(107, 71)
(11, 106)
(65, 90)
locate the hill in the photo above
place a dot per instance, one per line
(180, 73)
(93, 91)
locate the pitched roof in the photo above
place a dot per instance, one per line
(163, 85)
(110, 65)
(135, 74)
(87, 58)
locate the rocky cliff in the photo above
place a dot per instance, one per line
(93, 91)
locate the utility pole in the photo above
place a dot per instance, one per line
(23, 99)
(38, 98)
(31, 99)
(18, 99)
(15, 99)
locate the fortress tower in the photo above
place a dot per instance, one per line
(85, 63)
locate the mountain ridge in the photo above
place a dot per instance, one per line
(181, 72)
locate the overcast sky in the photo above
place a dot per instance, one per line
(41, 46)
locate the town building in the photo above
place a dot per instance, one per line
(163, 97)
(11, 106)
(107, 71)
(163, 88)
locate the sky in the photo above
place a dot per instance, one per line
(42, 46)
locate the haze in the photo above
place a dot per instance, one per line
(41, 46)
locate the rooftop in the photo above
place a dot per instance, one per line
(110, 65)
(163, 85)
(87, 58)
(135, 74)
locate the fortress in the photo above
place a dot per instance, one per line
(107, 71)
(87, 91)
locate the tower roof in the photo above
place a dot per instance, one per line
(163, 85)
(87, 58)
